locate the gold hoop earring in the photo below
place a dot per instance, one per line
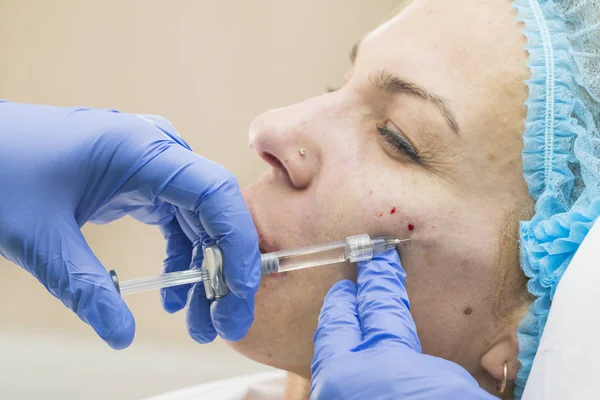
(501, 386)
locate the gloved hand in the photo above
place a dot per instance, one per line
(366, 344)
(61, 167)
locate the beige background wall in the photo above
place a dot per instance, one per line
(209, 67)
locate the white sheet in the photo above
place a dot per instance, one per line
(264, 386)
(567, 362)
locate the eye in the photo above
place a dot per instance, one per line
(397, 140)
(331, 89)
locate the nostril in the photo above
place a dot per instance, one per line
(278, 166)
(272, 160)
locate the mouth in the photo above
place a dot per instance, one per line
(265, 243)
(265, 246)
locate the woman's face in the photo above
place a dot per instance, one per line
(424, 142)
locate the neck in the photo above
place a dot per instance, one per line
(296, 387)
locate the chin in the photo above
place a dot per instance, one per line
(288, 304)
(286, 314)
(276, 337)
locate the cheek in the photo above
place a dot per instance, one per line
(395, 213)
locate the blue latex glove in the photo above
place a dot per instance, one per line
(61, 167)
(366, 345)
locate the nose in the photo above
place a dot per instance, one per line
(285, 139)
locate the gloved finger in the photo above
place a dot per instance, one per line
(179, 257)
(201, 228)
(198, 233)
(145, 131)
(383, 306)
(66, 265)
(155, 214)
(189, 232)
(339, 328)
(208, 190)
(165, 126)
(232, 316)
(198, 320)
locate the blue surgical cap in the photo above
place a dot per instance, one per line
(561, 155)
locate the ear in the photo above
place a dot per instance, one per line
(504, 350)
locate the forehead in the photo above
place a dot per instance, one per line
(468, 52)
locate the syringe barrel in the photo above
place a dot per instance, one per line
(359, 248)
(354, 249)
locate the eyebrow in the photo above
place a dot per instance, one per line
(393, 84)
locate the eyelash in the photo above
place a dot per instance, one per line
(398, 142)
(392, 138)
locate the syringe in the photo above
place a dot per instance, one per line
(353, 249)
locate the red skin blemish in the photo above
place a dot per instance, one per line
(393, 210)
(380, 214)
(411, 227)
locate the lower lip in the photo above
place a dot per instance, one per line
(274, 277)
(273, 281)
(278, 275)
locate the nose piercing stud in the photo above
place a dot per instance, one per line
(302, 152)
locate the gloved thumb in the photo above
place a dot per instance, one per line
(56, 253)
(90, 292)
(339, 329)
(382, 298)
